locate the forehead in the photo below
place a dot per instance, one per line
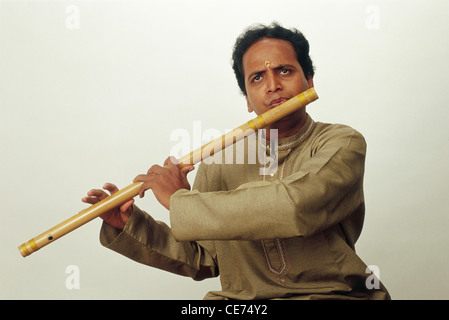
(267, 49)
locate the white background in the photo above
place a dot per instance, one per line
(82, 106)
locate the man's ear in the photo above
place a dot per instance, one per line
(250, 109)
(310, 81)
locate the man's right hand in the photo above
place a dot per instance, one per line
(116, 217)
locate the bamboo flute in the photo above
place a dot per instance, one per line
(129, 192)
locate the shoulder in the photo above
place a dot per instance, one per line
(336, 129)
(338, 134)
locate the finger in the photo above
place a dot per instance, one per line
(171, 161)
(144, 178)
(148, 182)
(97, 193)
(144, 188)
(155, 169)
(90, 200)
(112, 188)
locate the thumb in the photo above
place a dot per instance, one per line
(125, 206)
(186, 169)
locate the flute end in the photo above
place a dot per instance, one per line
(28, 248)
(23, 250)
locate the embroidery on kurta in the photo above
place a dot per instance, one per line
(277, 270)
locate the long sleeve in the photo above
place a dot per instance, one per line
(298, 227)
(321, 191)
(151, 242)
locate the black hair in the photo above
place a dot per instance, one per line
(254, 33)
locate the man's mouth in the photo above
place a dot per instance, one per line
(277, 102)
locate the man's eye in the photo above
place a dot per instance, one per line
(285, 71)
(257, 78)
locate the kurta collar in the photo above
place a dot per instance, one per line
(296, 139)
(286, 144)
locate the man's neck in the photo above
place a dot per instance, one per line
(287, 131)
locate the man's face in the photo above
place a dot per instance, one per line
(272, 76)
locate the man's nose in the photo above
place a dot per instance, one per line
(273, 83)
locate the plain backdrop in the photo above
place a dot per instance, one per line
(91, 92)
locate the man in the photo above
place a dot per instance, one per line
(289, 235)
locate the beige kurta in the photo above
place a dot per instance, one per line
(289, 235)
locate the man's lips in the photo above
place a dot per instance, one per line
(277, 102)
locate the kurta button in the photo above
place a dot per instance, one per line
(282, 281)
